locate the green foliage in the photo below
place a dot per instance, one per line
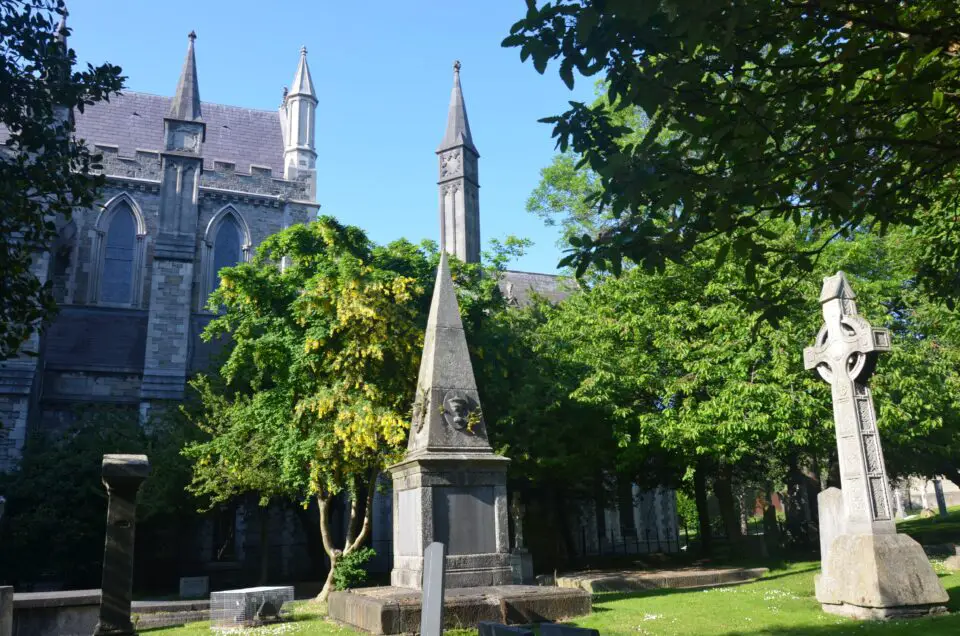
(350, 571)
(686, 510)
(44, 171)
(837, 116)
(53, 525)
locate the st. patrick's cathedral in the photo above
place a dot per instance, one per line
(193, 187)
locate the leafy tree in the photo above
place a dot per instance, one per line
(45, 172)
(57, 493)
(686, 368)
(841, 117)
(315, 395)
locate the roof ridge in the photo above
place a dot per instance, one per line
(203, 103)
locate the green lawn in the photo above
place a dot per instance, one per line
(935, 529)
(781, 603)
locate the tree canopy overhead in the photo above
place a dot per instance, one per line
(44, 171)
(836, 115)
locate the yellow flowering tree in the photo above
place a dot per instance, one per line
(313, 396)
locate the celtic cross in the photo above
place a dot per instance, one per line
(844, 354)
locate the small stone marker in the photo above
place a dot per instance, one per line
(941, 500)
(556, 629)
(830, 507)
(122, 475)
(194, 586)
(434, 568)
(869, 571)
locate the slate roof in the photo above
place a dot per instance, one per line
(518, 287)
(134, 121)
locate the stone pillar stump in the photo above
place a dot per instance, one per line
(122, 475)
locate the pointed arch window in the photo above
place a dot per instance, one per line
(120, 233)
(226, 243)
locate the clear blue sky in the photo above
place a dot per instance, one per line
(383, 71)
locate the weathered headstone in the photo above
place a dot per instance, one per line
(194, 587)
(898, 511)
(122, 475)
(830, 505)
(434, 567)
(869, 570)
(941, 500)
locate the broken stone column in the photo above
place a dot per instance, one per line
(122, 475)
(868, 570)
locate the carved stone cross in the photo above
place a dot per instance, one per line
(844, 355)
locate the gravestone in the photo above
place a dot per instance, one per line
(830, 505)
(194, 587)
(869, 571)
(122, 475)
(898, 511)
(431, 617)
(450, 487)
(941, 500)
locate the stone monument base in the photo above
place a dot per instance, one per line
(878, 576)
(521, 564)
(396, 610)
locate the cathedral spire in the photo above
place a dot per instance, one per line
(186, 101)
(297, 122)
(61, 32)
(458, 126)
(302, 81)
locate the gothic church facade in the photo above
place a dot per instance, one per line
(193, 187)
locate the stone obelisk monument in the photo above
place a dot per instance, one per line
(868, 570)
(450, 487)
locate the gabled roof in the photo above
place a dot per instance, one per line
(134, 121)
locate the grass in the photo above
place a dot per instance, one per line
(781, 603)
(935, 529)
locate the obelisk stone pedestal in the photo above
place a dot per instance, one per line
(868, 570)
(451, 488)
(122, 475)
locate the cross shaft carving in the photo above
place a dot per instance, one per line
(844, 355)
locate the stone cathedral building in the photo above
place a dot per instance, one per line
(193, 187)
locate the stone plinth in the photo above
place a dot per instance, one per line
(460, 500)
(394, 610)
(6, 610)
(875, 576)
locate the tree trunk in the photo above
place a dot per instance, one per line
(703, 512)
(723, 489)
(264, 547)
(354, 538)
(745, 509)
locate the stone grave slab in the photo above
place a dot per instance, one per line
(194, 587)
(248, 607)
(396, 610)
